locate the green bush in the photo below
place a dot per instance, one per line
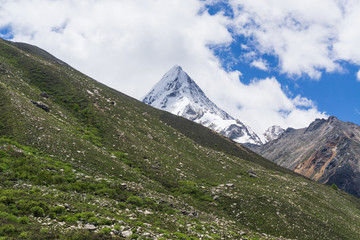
(59, 210)
(44, 231)
(121, 205)
(85, 216)
(93, 220)
(24, 235)
(71, 220)
(23, 220)
(105, 231)
(7, 200)
(52, 215)
(104, 221)
(134, 236)
(7, 229)
(334, 186)
(38, 211)
(135, 200)
(181, 236)
(11, 218)
(3, 154)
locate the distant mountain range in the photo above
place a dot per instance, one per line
(177, 93)
(327, 151)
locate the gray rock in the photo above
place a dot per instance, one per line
(44, 95)
(126, 233)
(89, 227)
(41, 105)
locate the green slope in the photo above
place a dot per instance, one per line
(102, 158)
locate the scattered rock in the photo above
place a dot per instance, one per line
(89, 227)
(216, 197)
(229, 185)
(127, 233)
(242, 233)
(251, 174)
(147, 212)
(44, 95)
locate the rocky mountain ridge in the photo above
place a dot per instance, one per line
(177, 93)
(326, 151)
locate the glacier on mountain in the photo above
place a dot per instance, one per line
(177, 93)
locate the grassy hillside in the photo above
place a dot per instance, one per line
(79, 160)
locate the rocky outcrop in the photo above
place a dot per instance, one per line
(41, 105)
(328, 151)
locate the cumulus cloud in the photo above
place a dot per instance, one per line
(260, 64)
(129, 45)
(307, 36)
(263, 103)
(358, 75)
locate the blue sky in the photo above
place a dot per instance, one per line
(336, 93)
(266, 62)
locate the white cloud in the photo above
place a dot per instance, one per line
(129, 45)
(307, 36)
(358, 75)
(260, 64)
(263, 103)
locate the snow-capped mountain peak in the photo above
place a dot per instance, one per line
(273, 133)
(177, 93)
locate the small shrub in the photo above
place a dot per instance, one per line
(122, 205)
(59, 210)
(105, 231)
(3, 154)
(93, 220)
(52, 215)
(71, 220)
(181, 236)
(104, 221)
(85, 216)
(7, 200)
(135, 200)
(62, 218)
(44, 231)
(334, 187)
(38, 211)
(11, 218)
(23, 220)
(134, 236)
(7, 229)
(24, 235)
(118, 227)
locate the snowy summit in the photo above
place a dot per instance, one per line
(273, 133)
(178, 94)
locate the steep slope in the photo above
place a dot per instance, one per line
(79, 160)
(327, 151)
(177, 93)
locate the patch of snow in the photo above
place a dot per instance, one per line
(272, 133)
